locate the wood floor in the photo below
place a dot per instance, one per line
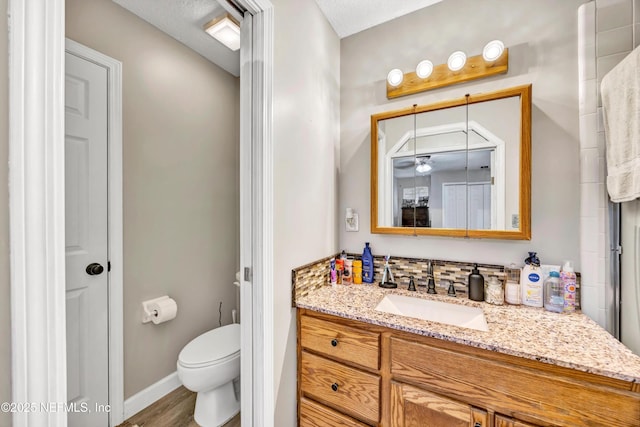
(173, 410)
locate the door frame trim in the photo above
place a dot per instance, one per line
(115, 223)
(37, 220)
(36, 208)
(256, 222)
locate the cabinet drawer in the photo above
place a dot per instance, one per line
(502, 421)
(509, 389)
(346, 389)
(340, 342)
(313, 414)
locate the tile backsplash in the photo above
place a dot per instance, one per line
(309, 277)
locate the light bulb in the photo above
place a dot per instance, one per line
(457, 60)
(395, 77)
(423, 168)
(424, 69)
(493, 50)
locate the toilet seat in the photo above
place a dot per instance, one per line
(211, 348)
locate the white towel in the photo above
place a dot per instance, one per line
(620, 91)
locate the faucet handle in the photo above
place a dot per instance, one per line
(412, 285)
(451, 291)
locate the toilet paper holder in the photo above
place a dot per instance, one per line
(147, 312)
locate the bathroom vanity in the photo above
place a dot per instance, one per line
(358, 366)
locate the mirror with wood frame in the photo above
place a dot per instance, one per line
(459, 168)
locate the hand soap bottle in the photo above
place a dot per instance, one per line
(476, 285)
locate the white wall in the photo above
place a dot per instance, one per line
(306, 148)
(542, 39)
(181, 180)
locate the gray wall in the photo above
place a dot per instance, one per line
(5, 303)
(306, 119)
(181, 180)
(542, 41)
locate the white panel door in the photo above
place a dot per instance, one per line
(86, 242)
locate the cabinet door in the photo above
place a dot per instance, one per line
(414, 407)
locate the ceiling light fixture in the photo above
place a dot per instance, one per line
(423, 168)
(493, 50)
(226, 30)
(424, 69)
(457, 60)
(395, 77)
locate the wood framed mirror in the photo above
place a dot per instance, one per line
(458, 168)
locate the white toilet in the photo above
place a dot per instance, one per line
(208, 366)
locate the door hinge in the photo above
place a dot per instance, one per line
(617, 250)
(108, 266)
(247, 274)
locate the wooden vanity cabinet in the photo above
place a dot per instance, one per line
(390, 378)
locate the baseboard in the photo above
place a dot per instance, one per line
(151, 394)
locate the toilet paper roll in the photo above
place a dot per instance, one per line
(163, 310)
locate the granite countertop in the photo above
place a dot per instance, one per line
(569, 340)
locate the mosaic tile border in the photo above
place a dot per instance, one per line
(309, 277)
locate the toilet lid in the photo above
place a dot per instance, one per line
(210, 347)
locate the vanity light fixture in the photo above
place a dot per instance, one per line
(226, 30)
(493, 60)
(457, 60)
(424, 69)
(395, 77)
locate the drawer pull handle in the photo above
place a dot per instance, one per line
(477, 424)
(334, 342)
(334, 387)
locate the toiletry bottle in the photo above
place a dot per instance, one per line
(357, 272)
(568, 278)
(347, 276)
(512, 293)
(554, 293)
(339, 270)
(333, 274)
(531, 282)
(367, 264)
(476, 285)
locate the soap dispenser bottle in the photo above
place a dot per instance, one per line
(476, 285)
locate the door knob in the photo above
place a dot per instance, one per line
(94, 269)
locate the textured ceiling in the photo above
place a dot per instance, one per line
(183, 20)
(352, 16)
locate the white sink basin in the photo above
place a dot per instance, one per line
(435, 311)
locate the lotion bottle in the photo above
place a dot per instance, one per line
(367, 264)
(531, 282)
